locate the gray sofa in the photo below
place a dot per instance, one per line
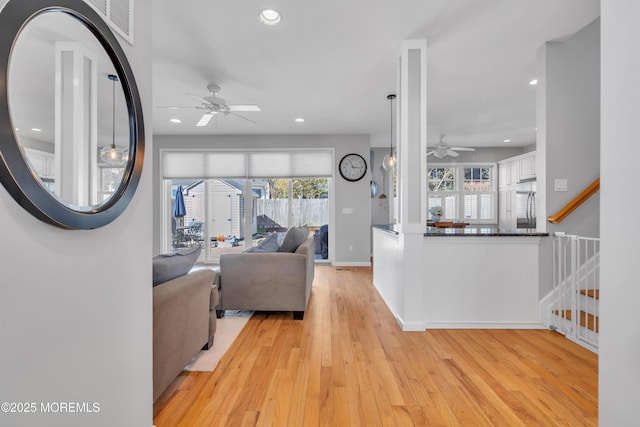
(268, 281)
(184, 322)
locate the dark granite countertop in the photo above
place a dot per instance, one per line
(469, 231)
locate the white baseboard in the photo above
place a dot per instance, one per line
(485, 325)
(411, 326)
(351, 264)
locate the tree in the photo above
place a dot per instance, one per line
(305, 188)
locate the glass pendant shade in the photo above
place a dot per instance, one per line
(389, 162)
(113, 154)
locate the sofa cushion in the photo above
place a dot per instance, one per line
(269, 244)
(294, 238)
(174, 264)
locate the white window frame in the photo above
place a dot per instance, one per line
(453, 201)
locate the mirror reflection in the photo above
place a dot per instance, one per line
(68, 110)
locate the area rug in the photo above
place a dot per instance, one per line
(227, 330)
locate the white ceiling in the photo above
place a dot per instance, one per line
(334, 63)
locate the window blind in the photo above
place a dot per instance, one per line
(249, 164)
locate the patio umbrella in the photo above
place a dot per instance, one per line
(179, 210)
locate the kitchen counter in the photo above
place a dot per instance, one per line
(469, 231)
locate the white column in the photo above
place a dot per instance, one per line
(76, 123)
(412, 148)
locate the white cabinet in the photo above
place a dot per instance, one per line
(42, 161)
(507, 208)
(510, 172)
(503, 175)
(527, 167)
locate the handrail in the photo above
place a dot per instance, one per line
(575, 203)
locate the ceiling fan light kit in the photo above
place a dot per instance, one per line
(389, 161)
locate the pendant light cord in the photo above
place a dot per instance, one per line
(391, 98)
(113, 78)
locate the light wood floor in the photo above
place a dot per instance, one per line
(349, 364)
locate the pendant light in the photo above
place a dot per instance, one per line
(113, 154)
(389, 161)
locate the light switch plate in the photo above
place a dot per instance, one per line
(560, 184)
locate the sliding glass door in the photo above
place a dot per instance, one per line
(230, 215)
(292, 202)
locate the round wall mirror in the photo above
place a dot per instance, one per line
(72, 133)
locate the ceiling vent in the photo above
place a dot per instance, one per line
(118, 14)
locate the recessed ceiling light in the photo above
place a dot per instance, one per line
(507, 140)
(36, 130)
(533, 82)
(299, 120)
(270, 17)
(175, 121)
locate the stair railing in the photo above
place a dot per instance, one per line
(575, 203)
(574, 308)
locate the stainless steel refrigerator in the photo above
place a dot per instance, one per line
(526, 205)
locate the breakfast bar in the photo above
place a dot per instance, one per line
(473, 277)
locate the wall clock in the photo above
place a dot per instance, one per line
(353, 167)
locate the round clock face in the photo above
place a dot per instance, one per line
(353, 167)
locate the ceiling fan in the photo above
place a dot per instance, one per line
(213, 105)
(442, 149)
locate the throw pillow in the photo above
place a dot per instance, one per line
(295, 237)
(269, 244)
(175, 264)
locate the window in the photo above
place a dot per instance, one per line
(110, 179)
(245, 194)
(466, 193)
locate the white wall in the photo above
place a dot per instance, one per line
(620, 331)
(569, 132)
(350, 229)
(75, 306)
(568, 136)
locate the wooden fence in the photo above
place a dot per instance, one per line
(272, 213)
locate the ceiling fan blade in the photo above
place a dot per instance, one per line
(452, 153)
(462, 149)
(244, 107)
(201, 98)
(242, 117)
(178, 108)
(430, 152)
(205, 119)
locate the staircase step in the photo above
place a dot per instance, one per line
(590, 293)
(586, 320)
